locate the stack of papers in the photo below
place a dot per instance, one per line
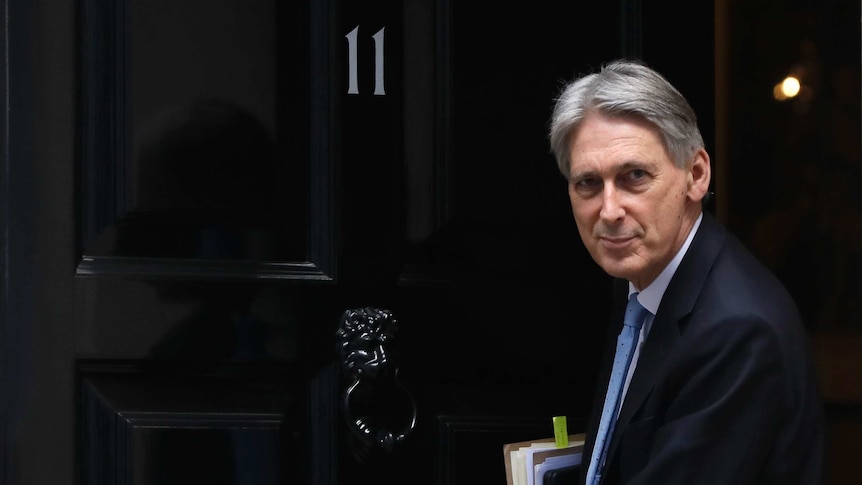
(528, 461)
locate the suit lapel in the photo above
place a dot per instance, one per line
(676, 305)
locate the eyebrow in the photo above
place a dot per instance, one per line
(621, 167)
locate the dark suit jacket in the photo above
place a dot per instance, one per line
(724, 391)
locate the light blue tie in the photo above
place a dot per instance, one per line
(626, 342)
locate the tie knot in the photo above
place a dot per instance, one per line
(635, 313)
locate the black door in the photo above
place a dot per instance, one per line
(198, 194)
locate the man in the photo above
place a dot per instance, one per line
(720, 388)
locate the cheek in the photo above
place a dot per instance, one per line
(585, 221)
(580, 210)
(573, 203)
(669, 211)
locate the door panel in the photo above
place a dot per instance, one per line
(143, 425)
(200, 232)
(195, 131)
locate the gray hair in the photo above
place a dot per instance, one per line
(626, 88)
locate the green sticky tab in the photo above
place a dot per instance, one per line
(561, 433)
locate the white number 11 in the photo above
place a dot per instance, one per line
(353, 76)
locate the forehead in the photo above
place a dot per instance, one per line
(601, 139)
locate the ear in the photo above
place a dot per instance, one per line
(698, 176)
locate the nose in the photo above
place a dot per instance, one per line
(612, 210)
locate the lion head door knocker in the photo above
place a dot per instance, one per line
(379, 410)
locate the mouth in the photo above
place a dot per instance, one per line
(616, 243)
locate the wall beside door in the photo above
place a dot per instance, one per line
(789, 179)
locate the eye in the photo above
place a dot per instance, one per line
(636, 177)
(637, 174)
(586, 185)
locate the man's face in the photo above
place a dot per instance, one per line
(632, 205)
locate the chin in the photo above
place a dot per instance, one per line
(618, 269)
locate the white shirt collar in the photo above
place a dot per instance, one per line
(650, 297)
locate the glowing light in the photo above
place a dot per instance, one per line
(787, 88)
